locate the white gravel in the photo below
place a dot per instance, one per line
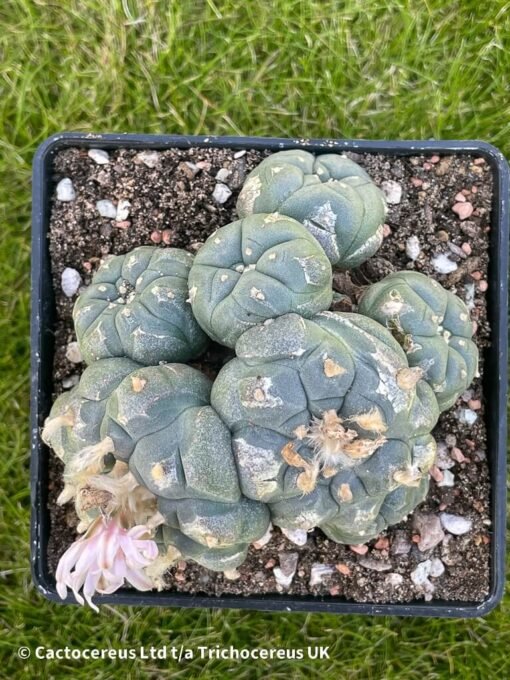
(413, 248)
(442, 264)
(106, 209)
(448, 479)
(264, 540)
(149, 158)
(99, 156)
(393, 191)
(70, 282)
(455, 524)
(65, 190)
(73, 353)
(467, 416)
(123, 208)
(296, 536)
(221, 193)
(319, 572)
(223, 174)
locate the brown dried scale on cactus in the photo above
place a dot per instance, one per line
(432, 325)
(330, 426)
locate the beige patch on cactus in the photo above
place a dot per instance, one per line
(138, 383)
(272, 217)
(344, 493)
(158, 473)
(192, 294)
(409, 476)
(307, 480)
(300, 432)
(292, 457)
(257, 294)
(408, 378)
(329, 471)
(372, 421)
(332, 369)
(54, 425)
(249, 193)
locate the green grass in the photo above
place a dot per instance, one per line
(372, 68)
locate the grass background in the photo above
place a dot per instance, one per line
(356, 68)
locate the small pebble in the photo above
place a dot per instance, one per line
(73, 353)
(476, 275)
(70, 381)
(455, 524)
(375, 565)
(443, 460)
(442, 264)
(179, 576)
(463, 210)
(70, 281)
(343, 569)
(483, 286)
(359, 549)
(479, 161)
(429, 528)
(393, 191)
(413, 248)
(284, 574)
(436, 474)
(335, 590)
(270, 563)
(318, 573)
(231, 574)
(99, 156)
(65, 190)
(448, 479)
(106, 209)
(420, 578)
(457, 455)
(460, 198)
(401, 545)
(394, 580)
(296, 536)
(436, 567)
(148, 158)
(264, 540)
(222, 174)
(416, 181)
(434, 159)
(469, 295)
(156, 237)
(443, 235)
(467, 248)
(123, 207)
(467, 416)
(123, 224)
(382, 543)
(240, 154)
(196, 245)
(386, 230)
(221, 193)
(475, 404)
(167, 236)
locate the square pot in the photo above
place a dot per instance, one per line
(495, 372)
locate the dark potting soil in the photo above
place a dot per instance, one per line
(172, 204)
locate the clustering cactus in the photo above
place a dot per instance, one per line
(254, 269)
(322, 419)
(136, 307)
(432, 325)
(332, 196)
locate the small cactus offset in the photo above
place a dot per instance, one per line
(332, 196)
(136, 306)
(257, 268)
(432, 325)
(330, 426)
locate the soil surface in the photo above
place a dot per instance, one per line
(445, 202)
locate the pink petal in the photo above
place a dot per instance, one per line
(139, 580)
(90, 588)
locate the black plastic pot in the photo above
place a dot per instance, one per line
(495, 384)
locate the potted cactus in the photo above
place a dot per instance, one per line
(276, 384)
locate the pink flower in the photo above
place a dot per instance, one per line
(104, 557)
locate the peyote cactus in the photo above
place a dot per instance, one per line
(322, 419)
(332, 196)
(330, 426)
(136, 307)
(157, 420)
(254, 269)
(432, 325)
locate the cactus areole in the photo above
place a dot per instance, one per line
(321, 419)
